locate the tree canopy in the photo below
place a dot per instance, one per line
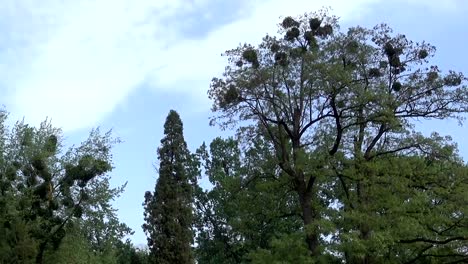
(337, 110)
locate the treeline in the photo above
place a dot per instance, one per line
(326, 165)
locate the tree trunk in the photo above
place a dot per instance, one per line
(40, 254)
(309, 216)
(364, 228)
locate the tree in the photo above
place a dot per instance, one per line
(416, 214)
(98, 231)
(384, 85)
(278, 86)
(248, 206)
(217, 241)
(100, 224)
(168, 211)
(321, 96)
(45, 191)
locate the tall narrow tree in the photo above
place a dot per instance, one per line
(168, 211)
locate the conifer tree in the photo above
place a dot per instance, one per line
(168, 211)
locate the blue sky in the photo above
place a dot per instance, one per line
(124, 64)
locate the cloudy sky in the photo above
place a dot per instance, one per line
(124, 64)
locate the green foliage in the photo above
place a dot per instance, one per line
(128, 254)
(74, 249)
(48, 194)
(288, 248)
(247, 206)
(100, 226)
(414, 213)
(168, 211)
(336, 110)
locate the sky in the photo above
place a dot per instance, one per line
(123, 64)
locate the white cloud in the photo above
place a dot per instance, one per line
(76, 60)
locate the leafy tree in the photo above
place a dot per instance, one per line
(99, 223)
(416, 209)
(168, 211)
(329, 101)
(384, 85)
(216, 241)
(278, 86)
(75, 249)
(248, 206)
(45, 192)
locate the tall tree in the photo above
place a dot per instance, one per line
(278, 86)
(319, 95)
(168, 211)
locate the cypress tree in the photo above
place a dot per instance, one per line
(168, 211)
